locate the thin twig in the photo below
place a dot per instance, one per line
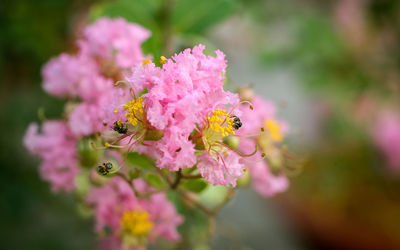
(177, 179)
(187, 176)
(194, 202)
(124, 177)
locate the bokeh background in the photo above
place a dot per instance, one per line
(331, 66)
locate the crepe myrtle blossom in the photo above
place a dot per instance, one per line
(183, 111)
(267, 133)
(386, 135)
(114, 40)
(133, 220)
(107, 49)
(56, 147)
(174, 113)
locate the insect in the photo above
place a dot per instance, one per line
(105, 168)
(236, 122)
(120, 127)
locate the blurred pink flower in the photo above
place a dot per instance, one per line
(115, 40)
(263, 181)
(56, 147)
(85, 119)
(114, 199)
(386, 134)
(63, 74)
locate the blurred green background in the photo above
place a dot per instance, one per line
(319, 60)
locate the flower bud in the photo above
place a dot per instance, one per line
(232, 141)
(88, 156)
(244, 180)
(246, 94)
(96, 179)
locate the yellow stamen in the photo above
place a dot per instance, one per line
(163, 59)
(274, 129)
(221, 122)
(136, 222)
(134, 109)
(144, 62)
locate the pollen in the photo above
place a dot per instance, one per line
(145, 62)
(134, 110)
(136, 222)
(274, 129)
(221, 122)
(163, 59)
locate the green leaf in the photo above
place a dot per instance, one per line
(194, 16)
(195, 185)
(154, 180)
(139, 160)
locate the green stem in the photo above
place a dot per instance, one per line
(166, 27)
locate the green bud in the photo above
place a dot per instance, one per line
(96, 179)
(232, 141)
(244, 181)
(82, 183)
(88, 156)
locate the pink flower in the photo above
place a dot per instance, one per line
(176, 92)
(86, 119)
(62, 74)
(386, 134)
(223, 171)
(253, 120)
(75, 76)
(56, 147)
(174, 151)
(114, 200)
(263, 114)
(162, 214)
(110, 201)
(264, 182)
(115, 40)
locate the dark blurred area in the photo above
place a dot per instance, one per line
(344, 55)
(31, 216)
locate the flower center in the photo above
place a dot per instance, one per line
(134, 110)
(274, 130)
(136, 222)
(219, 122)
(219, 125)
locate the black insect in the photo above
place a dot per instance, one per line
(120, 127)
(236, 122)
(105, 168)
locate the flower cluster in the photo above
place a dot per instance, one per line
(175, 113)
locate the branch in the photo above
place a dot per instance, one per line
(195, 176)
(177, 179)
